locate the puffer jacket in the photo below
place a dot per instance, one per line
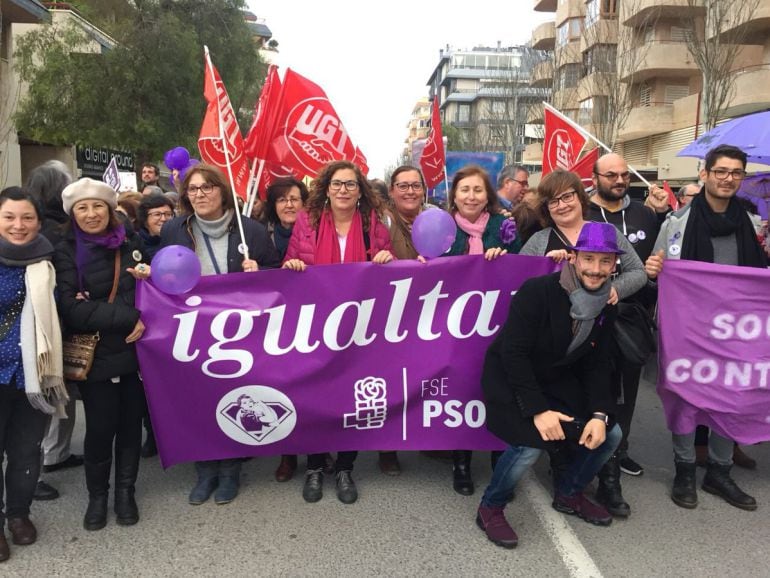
(114, 321)
(302, 244)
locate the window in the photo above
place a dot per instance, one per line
(562, 34)
(575, 28)
(645, 95)
(600, 58)
(674, 92)
(497, 108)
(568, 76)
(592, 12)
(464, 113)
(586, 111)
(678, 34)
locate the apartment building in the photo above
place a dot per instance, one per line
(596, 46)
(485, 94)
(418, 126)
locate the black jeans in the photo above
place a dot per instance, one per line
(345, 461)
(114, 413)
(625, 383)
(22, 429)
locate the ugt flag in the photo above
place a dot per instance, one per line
(433, 158)
(220, 142)
(562, 143)
(265, 115)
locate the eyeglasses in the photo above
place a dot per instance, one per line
(721, 174)
(204, 189)
(289, 201)
(522, 183)
(614, 176)
(336, 185)
(565, 198)
(160, 214)
(404, 187)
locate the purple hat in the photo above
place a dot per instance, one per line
(598, 238)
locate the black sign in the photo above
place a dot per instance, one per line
(93, 161)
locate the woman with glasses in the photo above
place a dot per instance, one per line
(481, 230)
(342, 225)
(209, 227)
(407, 197)
(285, 199)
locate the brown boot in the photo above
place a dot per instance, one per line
(286, 468)
(389, 464)
(701, 456)
(742, 460)
(5, 551)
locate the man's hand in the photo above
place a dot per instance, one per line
(657, 199)
(548, 423)
(594, 434)
(613, 300)
(654, 264)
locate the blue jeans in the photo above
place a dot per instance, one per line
(517, 459)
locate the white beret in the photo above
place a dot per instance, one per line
(86, 188)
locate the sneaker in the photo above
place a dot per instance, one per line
(629, 466)
(313, 490)
(346, 487)
(580, 506)
(496, 527)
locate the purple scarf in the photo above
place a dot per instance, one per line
(84, 243)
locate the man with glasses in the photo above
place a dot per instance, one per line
(686, 193)
(512, 185)
(640, 225)
(713, 228)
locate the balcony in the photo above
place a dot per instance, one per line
(569, 53)
(752, 90)
(604, 31)
(542, 74)
(569, 9)
(662, 59)
(533, 154)
(756, 28)
(595, 84)
(544, 36)
(648, 11)
(535, 114)
(646, 120)
(566, 99)
(545, 6)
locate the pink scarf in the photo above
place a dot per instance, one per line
(327, 249)
(474, 231)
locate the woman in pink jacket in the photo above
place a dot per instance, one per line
(342, 225)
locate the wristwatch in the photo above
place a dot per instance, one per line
(601, 416)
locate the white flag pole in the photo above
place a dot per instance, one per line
(255, 190)
(587, 134)
(210, 68)
(246, 212)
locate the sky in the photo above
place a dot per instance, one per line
(374, 58)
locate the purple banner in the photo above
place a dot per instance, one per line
(338, 357)
(715, 349)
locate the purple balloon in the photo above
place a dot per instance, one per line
(182, 172)
(433, 233)
(175, 270)
(177, 158)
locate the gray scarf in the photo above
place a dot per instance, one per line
(586, 305)
(217, 231)
(38, 249)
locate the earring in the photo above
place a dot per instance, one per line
(326, 202)
(358, 203)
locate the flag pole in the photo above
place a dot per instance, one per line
(255, 190)
(246, 211)
(210, 67)
(446, 184)
(587, 134)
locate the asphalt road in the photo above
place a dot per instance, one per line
(406, 526)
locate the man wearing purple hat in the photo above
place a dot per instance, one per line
(546, 381)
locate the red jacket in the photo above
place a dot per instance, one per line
(302, 244)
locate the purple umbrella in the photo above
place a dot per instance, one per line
(750, 133)
(756, 188)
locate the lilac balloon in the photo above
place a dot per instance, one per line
(175, 270)
(433, 232)
(177, 158)
(182, 172)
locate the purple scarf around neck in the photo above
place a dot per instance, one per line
(112, 238)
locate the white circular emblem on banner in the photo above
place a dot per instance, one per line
(256, 415)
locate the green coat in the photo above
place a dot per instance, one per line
(490, 238)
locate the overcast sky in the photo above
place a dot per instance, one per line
(374, 59)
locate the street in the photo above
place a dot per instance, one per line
(406, 526)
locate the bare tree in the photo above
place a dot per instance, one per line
(715, 40)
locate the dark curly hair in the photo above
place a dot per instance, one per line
(319, 193)
(148, 203)
(277, 190)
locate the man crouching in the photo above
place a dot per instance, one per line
(546, 381)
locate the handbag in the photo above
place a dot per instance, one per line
(635, 332)
(79, 348)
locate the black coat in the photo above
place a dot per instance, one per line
(178, 231)
(114, 321)
(526, 370)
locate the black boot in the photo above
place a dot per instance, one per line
(609, 493)
(684, 493)
(126, 469)
(150, 448)
(463, 483)
(98, 484)
(717, 481)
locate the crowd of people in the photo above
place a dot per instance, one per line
(557, 377)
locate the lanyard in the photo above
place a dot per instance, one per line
(211, 254)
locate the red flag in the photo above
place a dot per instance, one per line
(265, 115)
(433, 158)
(562, 144)
(308, 132)
(213, 148)
(672, 202)
(360, 161)
(584, 168)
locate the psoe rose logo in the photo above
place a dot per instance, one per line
(315, 135)
(256, 415)
(559, 151)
